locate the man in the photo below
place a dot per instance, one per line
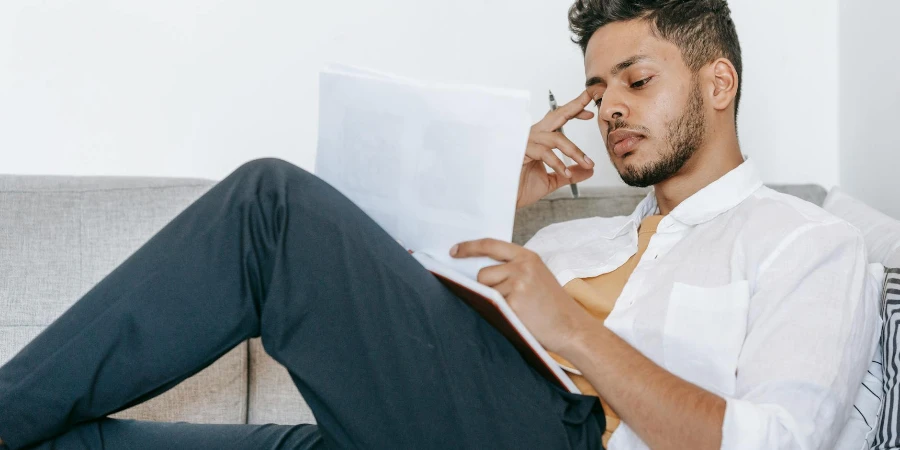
(720, 314)
(741, 323)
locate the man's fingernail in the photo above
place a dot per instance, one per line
(454, 249)
(568, 173)
(588, 160)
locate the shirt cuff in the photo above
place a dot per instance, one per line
(748, 426)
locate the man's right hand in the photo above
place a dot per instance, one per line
(534, 181)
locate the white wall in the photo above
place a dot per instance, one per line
(788, 118)
(195, 88)
(870, 102)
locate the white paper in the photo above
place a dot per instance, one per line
(434, 164)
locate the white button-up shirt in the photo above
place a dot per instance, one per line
(759, 297)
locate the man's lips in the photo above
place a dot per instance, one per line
(624, 141)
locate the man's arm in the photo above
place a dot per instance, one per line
(663, 409)
(666, 411)
(810, 331)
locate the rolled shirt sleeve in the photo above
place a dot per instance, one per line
(811, 331)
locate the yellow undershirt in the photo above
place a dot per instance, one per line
(598, 295)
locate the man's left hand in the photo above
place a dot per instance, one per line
(552, 316)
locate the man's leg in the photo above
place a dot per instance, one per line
(138, 435)
(382, 352)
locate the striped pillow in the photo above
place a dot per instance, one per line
(888, 436)
(859, 431)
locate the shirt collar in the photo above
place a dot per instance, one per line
(710, 201)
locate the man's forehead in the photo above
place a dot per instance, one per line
(620, 41)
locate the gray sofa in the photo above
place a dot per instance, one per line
(60, 235)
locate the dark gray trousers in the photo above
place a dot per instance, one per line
(384, 354)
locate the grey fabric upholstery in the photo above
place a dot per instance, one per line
(608, 202)
(59, 235)
(273, 396)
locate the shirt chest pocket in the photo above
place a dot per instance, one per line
(703, 333)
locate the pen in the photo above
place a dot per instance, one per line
(566, 158)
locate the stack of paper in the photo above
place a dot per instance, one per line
(434, 165)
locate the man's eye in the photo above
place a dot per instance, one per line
(598, 101)
(641, 83)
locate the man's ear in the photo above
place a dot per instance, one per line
(724, 84)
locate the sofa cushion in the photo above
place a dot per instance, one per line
(274, 397)
(61, 235)
(881, 232)
(594, 201)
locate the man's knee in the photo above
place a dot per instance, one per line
(273, 176)
(271, 168)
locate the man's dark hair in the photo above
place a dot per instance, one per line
(702, 29)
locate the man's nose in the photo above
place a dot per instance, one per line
(613, 107)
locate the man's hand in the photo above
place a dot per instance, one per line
(664, 410)
(531, 290)
(534, 181)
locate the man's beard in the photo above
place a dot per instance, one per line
(685, 136)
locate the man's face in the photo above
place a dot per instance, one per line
(652, 111)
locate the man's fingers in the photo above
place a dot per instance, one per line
(492, 248)
(493, 275)
(505, 288)
(543, 151)
(585, 115)
(560, 141)
(550, 159)
(556, 119)
(577, 105)
(579, 174)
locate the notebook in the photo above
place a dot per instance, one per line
(434, 164)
